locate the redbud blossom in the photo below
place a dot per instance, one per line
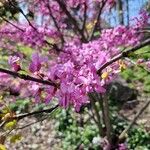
(36, 62)
(14, 62)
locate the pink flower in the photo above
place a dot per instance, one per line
(122, 147)
(36, 62)
(14, 62)
(50, 94)
(148, 64)
(140, 61)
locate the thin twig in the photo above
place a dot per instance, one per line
(22, 12)
(21, 116)
(55, 23)
(92, 115)
(134, 120)
(49, 110)
(98, 19)
(12, 24)
(85, 16)
(25, 126)
(2, 124)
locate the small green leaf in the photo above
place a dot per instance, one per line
(10, 125)
(2, 147)
(15, 138)
(23, 72)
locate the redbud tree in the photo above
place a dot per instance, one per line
(73, 56)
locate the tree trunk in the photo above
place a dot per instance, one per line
(120, 12)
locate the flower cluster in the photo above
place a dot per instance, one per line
(76, 67)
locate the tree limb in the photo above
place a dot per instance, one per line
(29, 78)
(84, 17)
(107, 119)
(27, 125)
(55, 23)
(21, 116)
(98, 18)
(124, 54)
(22, 12)
(99, 124)
(12, 24)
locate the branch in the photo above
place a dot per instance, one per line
(124, 54)
(27, 125)
(99, 124)
(97, 19)
(85, 17)
(29, 78)
(55, 23)
(144, 31)
(107, 119)
(72, 19)
(12, 24)
(22, 12)
(21, 116)
(53, 45)
(134, 120)
(100, 101)
(92, 116)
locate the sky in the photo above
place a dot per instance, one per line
(134, 9)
